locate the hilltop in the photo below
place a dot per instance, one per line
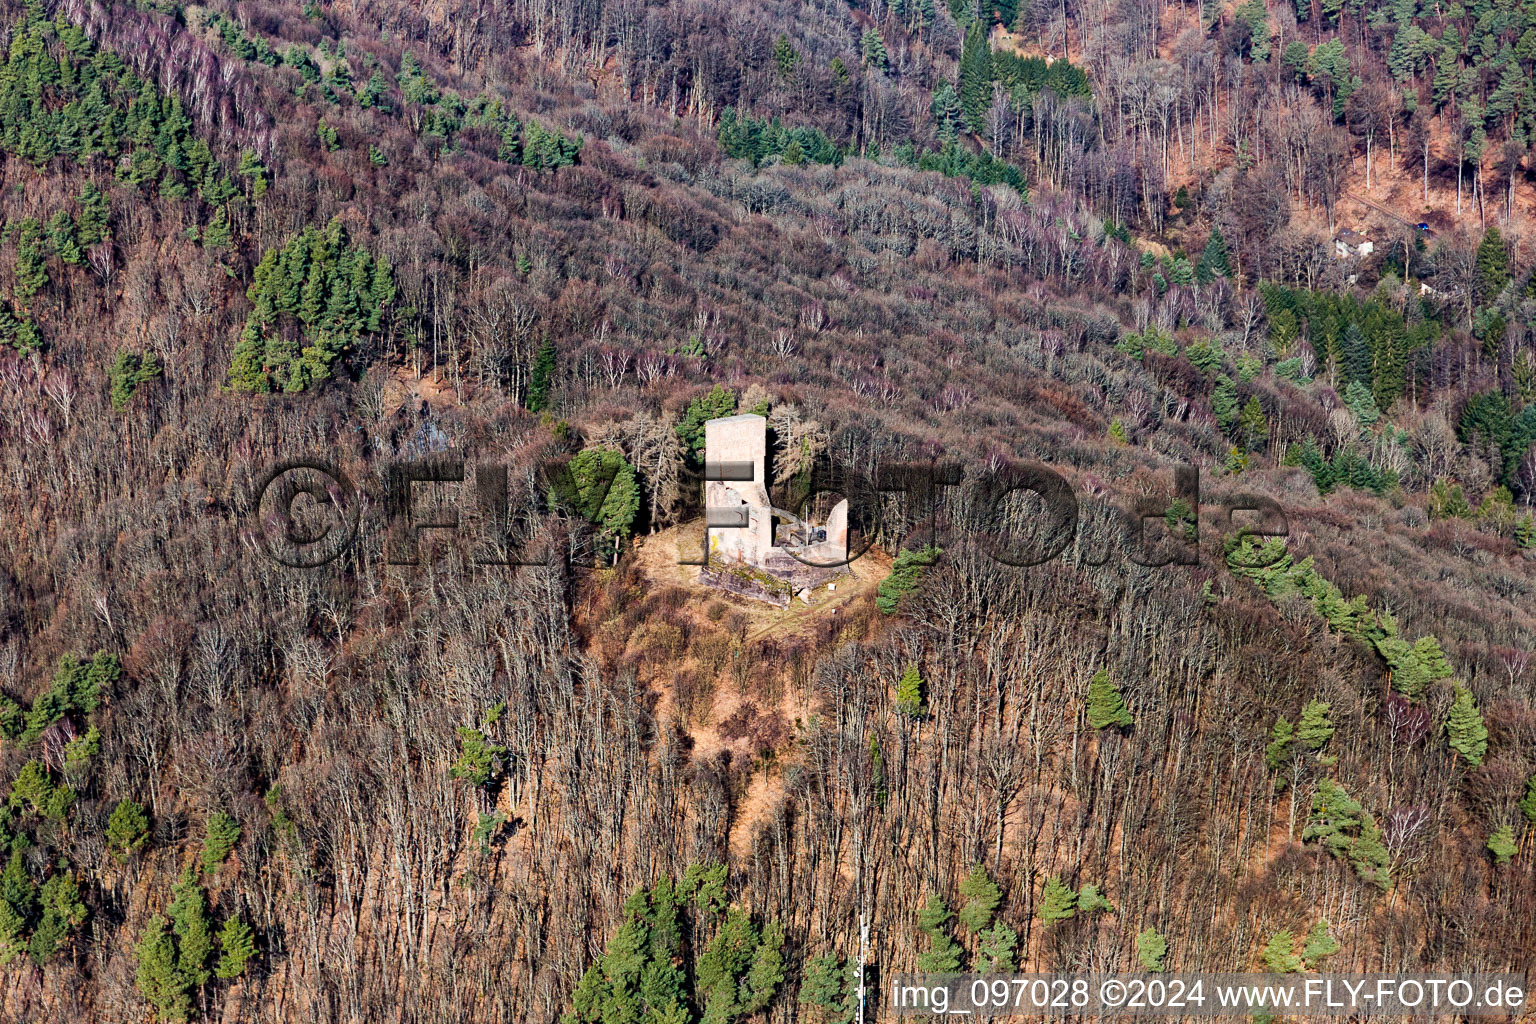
(554, 240)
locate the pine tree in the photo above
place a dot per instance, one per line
(1335, 818)
(193, 929)
(63, 237)
(1278, 955)
(785, 56)
(127, 830)
(542, 377)
(975, 85)
(981, 899)
(947, 111)
(606, 493)
(1528, 802)
(765, 973)
(1214, 260)
(63, 911)
(480, 761)
(18, 897)
(1319, 945)
(1151, 948)
(31, 265)
(1090, 899)
(1464, 729)
(217, 234)
(312, 297)
(827, 988)
(157, 978)
(872, 50)
(329, 139)
(1183, 274)
(220, 834)
(1314, 729)
(943, 953)
(1349, 832)
(1254, 13)
(253, 169)
(375, 92)
(381, 293)
(91, 225)
(1278, 752)
(13, 929)
(1355, 354)
(1492, 267)
(995, 949)
(1369, 856)
(1252, 424)
(720, 401)
(1502, 844)
(1057, 901)
(1106, 707)
(1224, 403)
(246, 369)
(910, 699)
(127, 372)
(1362, 402)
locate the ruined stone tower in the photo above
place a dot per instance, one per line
(741, 515)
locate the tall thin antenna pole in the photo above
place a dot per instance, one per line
(863, 952)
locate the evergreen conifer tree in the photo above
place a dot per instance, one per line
(1106, 707)
(827, 990)
(1278, 752)
(975, 86)
(1314, 728)
(1151, 948)
(1057, 901)
(216, 235)
(193, 929)
(1214, 261)
(1090, 899)
(910, 693)
(246, 369)
(1492, 267)
(943, 953)
(1319, 945)
(1464, 729)
(127, 829)
(1279, 957)
(157, 978)
(995, 949)
(542, 377)
(1502, 844)
(981, 899)
(1252, 425)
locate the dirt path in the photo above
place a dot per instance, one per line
(657, 558)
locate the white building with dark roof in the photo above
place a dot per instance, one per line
(1350, 244)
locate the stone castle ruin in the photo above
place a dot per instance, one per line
(753, 546)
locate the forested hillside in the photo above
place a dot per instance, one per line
(527, 231)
